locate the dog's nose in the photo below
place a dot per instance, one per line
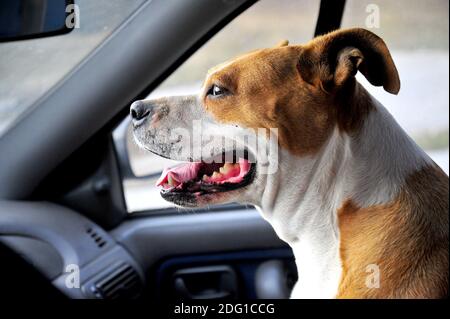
(139, 110)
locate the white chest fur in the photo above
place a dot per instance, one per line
(301, 201)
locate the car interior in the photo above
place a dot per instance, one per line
(65, 228)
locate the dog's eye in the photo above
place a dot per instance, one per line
(216, 91)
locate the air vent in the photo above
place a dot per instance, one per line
(99, 241)
(123, 282)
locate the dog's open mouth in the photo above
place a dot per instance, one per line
(191, 180)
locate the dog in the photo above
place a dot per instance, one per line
(364, 209)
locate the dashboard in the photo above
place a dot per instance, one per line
(79, 257)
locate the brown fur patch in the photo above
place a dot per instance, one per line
(353, 108)
(305, 90)
(266, 91)
(408, 240)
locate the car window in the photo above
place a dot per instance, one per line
(415, 31)
(30, 68)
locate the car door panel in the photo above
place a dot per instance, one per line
(238, 239)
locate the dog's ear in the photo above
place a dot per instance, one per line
(331, 60)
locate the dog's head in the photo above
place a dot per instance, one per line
(303, 91)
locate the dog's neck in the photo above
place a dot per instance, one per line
(301, 201)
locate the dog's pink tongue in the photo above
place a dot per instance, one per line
(174, 176)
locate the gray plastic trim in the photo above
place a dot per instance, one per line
(38, 253)
(141, 242)
(91, 272)
(150, 240)
(71, 236)
(58, 226)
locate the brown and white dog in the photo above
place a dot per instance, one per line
(352, 192)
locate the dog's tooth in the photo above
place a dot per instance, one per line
(216, 175)
(227, 167)
(205, 178)
(172, 181)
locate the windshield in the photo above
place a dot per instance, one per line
(30, 68)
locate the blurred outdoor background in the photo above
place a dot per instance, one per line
(416, 32)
